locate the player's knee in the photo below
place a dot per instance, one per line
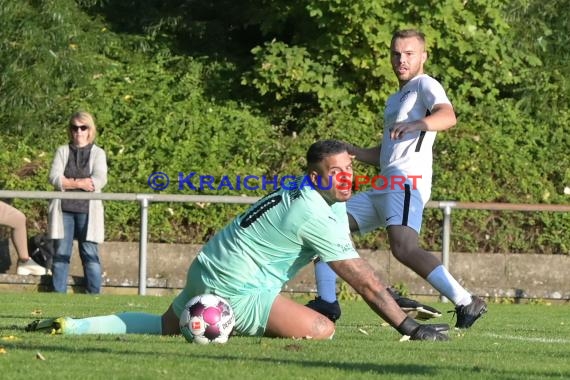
(331, 331)
(323, 328)
(405, 252)
(401, 254)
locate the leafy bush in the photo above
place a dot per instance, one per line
(235, 88)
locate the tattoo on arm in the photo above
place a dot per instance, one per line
(359, 274)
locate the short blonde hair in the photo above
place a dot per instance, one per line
(86, 119)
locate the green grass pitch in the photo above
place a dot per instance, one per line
(523, 341)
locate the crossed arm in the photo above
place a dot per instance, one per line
(96, 182)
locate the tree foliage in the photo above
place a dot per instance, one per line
(237, 87)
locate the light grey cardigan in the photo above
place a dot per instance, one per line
(98, 170)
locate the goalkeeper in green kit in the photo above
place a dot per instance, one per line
(250, 260)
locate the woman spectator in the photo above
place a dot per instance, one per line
(78, 166)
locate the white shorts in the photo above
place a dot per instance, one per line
(374, 209)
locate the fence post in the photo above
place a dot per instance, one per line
(446, 243)
(143, 246)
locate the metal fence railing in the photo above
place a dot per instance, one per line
(146, 199)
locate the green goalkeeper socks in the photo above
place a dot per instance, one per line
(123, 323)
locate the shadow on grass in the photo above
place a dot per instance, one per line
(401, 369)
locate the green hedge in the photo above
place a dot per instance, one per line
(236, 89)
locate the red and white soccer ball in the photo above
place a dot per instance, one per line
(206, 319)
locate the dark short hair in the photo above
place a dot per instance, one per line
(322, 149)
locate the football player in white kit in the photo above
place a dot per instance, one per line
(412, 118)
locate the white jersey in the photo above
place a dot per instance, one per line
(411, 156)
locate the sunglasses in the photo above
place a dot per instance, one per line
(75, 128)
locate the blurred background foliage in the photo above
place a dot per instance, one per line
(237, 87)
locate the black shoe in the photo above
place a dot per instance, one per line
(427, 332)
(413, 308)
(331, 310)
(468, 314)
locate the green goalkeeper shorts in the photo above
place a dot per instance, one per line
(251, 307)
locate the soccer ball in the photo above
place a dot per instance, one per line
(206, 319)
